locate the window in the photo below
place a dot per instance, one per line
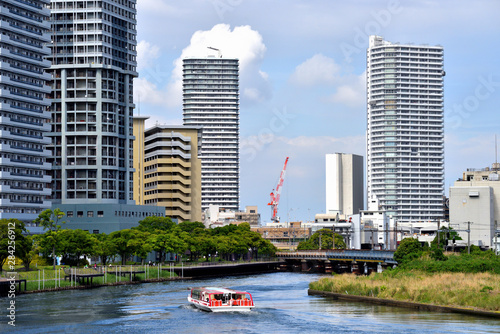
(90, 213)
(69, 214)
(79, 213)
(100, 213)
(95, 231)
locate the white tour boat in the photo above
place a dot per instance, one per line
(220, 299)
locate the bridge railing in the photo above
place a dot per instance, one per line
(347, 254)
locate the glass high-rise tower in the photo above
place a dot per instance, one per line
(24, 116)
(211, 101)
(405, 132)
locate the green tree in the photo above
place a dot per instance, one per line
(76, 244)
(408, 250)
(103, 247)
(445, 234)
(153, 223)
(122, 244)
(50, 244)
(11, 239)
(267, 248)
(191, 227)
(28, 249)
(140, 244)
(50, 221)
(327, 237)
(208, 246)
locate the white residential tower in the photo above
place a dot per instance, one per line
(211, 101)
(405, 134)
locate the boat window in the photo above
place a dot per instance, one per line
(195, 294)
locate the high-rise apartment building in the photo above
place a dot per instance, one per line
(211, 101)
(93, 68)
(24, 118)
(344, 184)
(405, 134)
(167, 169)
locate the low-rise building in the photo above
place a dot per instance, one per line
(377, 231)
(475, 202)
(284, 238)
(251, 215)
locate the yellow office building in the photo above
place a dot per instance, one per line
(167, 169)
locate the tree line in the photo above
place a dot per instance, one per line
(158, 234)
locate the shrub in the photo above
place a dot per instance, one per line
(408, 250)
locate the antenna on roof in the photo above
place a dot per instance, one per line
(496, 154)
(218, 51)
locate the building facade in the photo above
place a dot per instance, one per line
(344, 184)
(475, 199)
(405, 130)
(24, 116)
(211, 101)
(376, 229)
(93, 68)
(168, 170)
(251, 215)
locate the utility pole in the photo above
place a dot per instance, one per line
(439, 226)
(372, 237)
(395, 234)
(468, 237)
(319, 240)
(496, 236)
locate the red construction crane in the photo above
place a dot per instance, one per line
(275, 195)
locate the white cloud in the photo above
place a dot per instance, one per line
(242, 42)
(353, 93)
(146, 54)
(318, 70)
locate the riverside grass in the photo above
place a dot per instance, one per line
(44, 277)
(479, 291)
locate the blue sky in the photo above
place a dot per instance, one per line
(302, 80)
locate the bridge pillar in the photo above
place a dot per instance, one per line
(328, 267)
(354, 267)
(305, 266)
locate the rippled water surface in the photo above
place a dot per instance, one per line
(283, 306)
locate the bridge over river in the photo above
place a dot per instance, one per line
(337, 260)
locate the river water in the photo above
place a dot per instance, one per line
(282, 306)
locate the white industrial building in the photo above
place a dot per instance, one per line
(405, 132)
(476, 199)
(344, 183)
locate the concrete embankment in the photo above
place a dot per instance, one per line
(390, 302)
